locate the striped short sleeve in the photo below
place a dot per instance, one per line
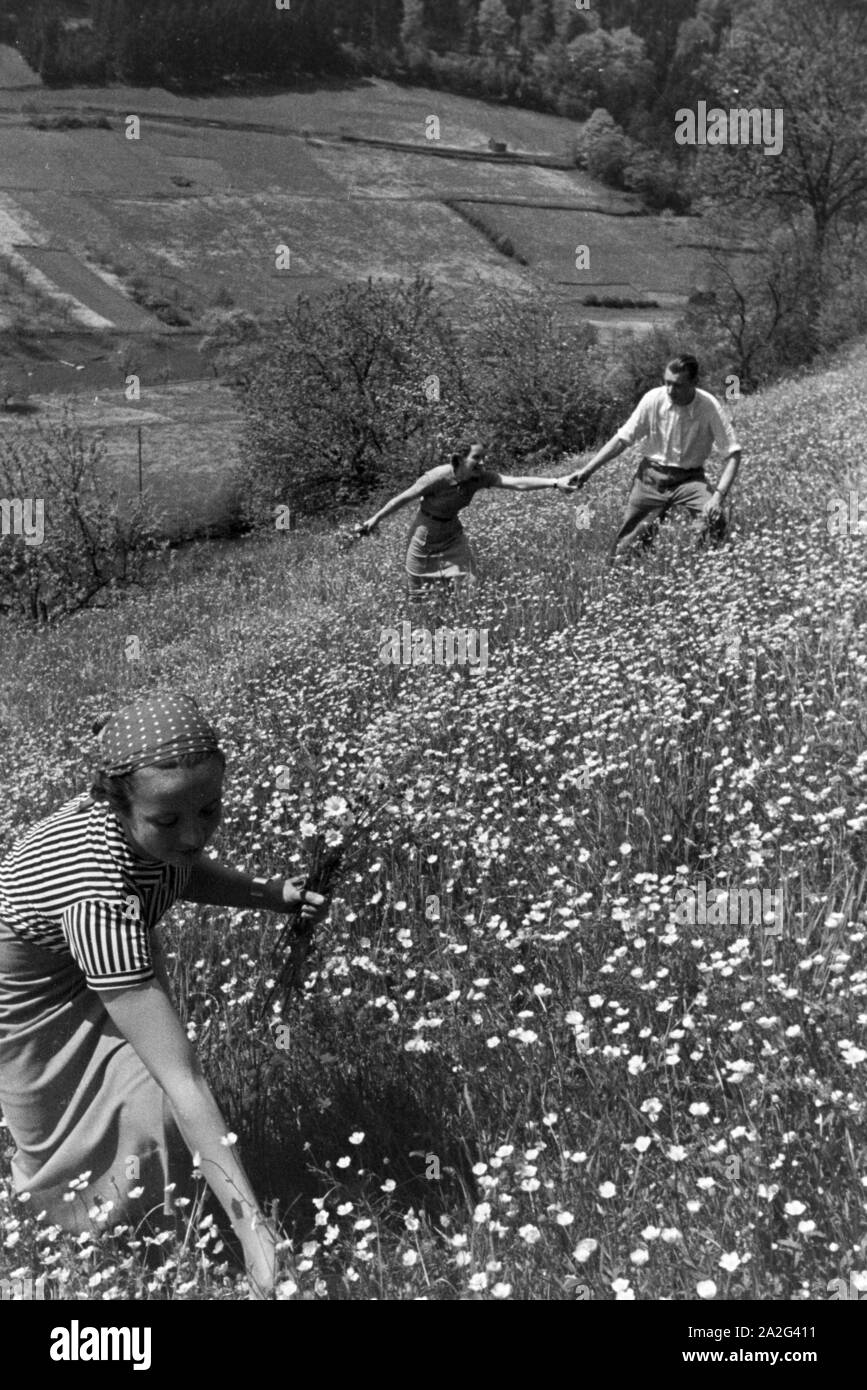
(110, 943)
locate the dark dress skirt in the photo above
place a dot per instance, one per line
(76, 1099)
(438, 547)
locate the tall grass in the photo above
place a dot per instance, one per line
(513, 1073)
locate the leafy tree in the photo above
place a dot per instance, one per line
(758, 314)
(641, 360)
(540, 389)
(539, 29)
(90, 546)
(604, 148)
(495, 27)
(228, 343)
(610, 70)
(413, 35)
(807, 60)
(39, 37)
(374, 24)
(656, 179)
(350, 394)
(569, 22)
(655, 21)
(688, 78)
(132, 54)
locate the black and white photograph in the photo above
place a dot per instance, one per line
(433, 696)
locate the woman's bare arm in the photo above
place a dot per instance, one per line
(147, 1019)
(529, 484)
(410, 494)
(218, 885)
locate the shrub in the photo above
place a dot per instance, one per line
(842, 313)
(539, 387)
(603, 149)
(616, 301)
(500, 240)
(759, 314)
(229, 339)
(69, 122)
(609, 69)
(88, 549)
(642, 357)
(337, 406)
(656, 180)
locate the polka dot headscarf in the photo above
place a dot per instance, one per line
(156, 729)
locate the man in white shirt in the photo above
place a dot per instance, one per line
(679, 425)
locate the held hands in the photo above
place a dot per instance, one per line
(574, 481)
(366, 528)
(314, 908)
(566, 483)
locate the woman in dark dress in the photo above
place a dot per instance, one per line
(438, 546)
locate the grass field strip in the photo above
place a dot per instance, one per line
(13, 237)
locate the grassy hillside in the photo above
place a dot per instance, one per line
(513, 1073)
(198, 204)
(144, 234)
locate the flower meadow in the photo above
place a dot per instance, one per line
(507, 1071)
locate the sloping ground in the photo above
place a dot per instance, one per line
(15, 74)
(383, 173)
(230, 241)
(190, 448)
(640, 258)
(369, 107)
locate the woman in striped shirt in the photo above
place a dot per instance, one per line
(97, 1075)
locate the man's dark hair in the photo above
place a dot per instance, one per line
(685, 363)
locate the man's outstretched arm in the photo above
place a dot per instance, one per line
(611, 450)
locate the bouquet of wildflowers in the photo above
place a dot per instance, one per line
(348, 536)
(329, 833)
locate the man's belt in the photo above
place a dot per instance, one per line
(673, 477)
(672, 468)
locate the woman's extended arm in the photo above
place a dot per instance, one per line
(146, 1018)
(410, 494)
(531, 484)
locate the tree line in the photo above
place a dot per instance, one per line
(180, 45)
(622, 68)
